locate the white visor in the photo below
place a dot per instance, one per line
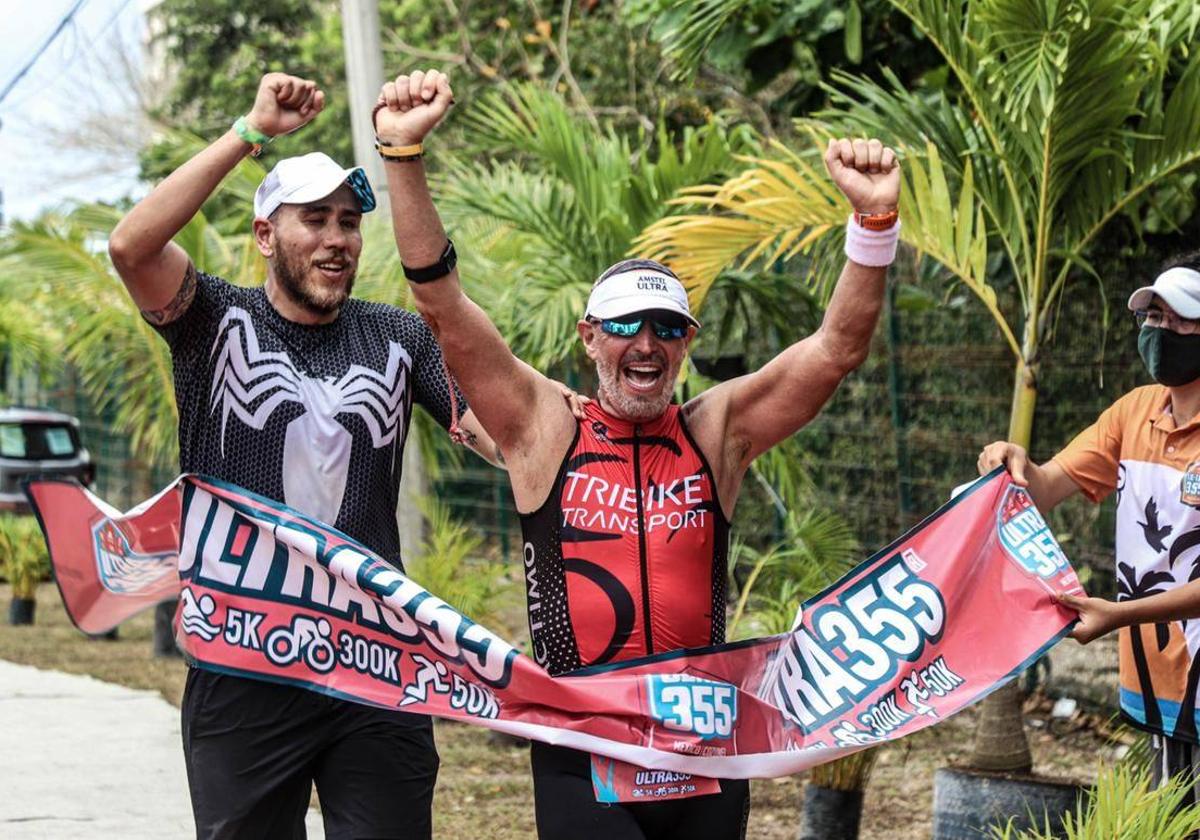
(1179, 287)
(638, 290)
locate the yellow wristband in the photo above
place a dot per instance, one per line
(412, 152)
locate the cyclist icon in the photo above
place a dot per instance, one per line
(306, 639)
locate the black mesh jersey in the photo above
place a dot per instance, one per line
(313, 416)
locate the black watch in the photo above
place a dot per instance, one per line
(437, 271)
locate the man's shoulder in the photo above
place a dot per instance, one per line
(222, 292)
(394, 322)
(373, 310)
(1140, 403)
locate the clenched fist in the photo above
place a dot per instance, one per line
(284, 103)
(866, 172)
(409, 107)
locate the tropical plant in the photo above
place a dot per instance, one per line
(561, 201)
(1061, 118)
(1123, 805)
(452, 565)
(818, 547)
(23, 555)
(123, 365)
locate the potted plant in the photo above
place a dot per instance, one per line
(25, 562)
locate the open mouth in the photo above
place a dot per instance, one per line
(643, 377)
(333, 269)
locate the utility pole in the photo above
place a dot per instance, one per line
(364, 77)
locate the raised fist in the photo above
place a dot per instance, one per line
(866, 172)
(284, 103)
(411, 106)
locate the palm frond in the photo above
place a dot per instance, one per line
(773, 210)
(699, 21)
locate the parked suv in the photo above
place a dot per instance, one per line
(34, 442)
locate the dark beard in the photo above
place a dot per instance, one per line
(293, 280)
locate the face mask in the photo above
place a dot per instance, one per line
(1172, 359)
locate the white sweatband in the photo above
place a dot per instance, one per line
(873, 248)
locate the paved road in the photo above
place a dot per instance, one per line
(80, 758)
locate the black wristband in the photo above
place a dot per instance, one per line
(437, 271)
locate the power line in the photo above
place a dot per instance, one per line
(62, 24)
(88, 48)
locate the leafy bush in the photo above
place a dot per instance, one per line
(1123, 805)
(23, 556)
(450, 566)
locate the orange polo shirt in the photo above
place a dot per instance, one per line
(1136, 449)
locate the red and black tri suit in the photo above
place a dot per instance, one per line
(625, 558)
(627, 555)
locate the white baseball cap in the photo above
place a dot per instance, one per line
(1179, 287)
(307, 178)
(638, 290)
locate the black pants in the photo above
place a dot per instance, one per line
(253, 750)
(566, 806)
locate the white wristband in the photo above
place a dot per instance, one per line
(872, 248)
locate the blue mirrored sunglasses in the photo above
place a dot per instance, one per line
(628, 329)
(361, 187)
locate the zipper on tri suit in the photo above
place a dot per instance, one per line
(641, 514)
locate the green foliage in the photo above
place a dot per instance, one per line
(451, 566)
(124, 367)
(1123, 805)
(27, 344)
(818, 547)
(782, 48)
(219, 49)
(23, 556)
(564, 201)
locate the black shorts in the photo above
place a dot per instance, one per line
(566, 807)
(254, 749)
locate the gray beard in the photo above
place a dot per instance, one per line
(639, 409)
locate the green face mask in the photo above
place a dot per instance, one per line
(1171, 358)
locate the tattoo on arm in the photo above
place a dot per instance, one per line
(178, 304)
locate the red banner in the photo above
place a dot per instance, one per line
(933, 623)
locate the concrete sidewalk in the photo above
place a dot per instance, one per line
(80, 758)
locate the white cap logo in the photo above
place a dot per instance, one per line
(638, 290)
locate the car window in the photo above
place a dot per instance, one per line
(12, 440)
(37, 441)
(58, 440)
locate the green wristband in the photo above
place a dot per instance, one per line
(250, 134)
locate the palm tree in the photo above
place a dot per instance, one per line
(65, 274)
(1130, 587)
(1065, 115)
(1185, 724)
(557, 200)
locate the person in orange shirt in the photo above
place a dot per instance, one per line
(1146, 447)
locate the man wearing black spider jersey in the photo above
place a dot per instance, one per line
(300, 393)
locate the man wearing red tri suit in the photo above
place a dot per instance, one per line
(625, 513)
(632, 535)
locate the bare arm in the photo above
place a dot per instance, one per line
(157, 272)
(523, 411)
(1048, 483)
(1099, 617)
(746, 416)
